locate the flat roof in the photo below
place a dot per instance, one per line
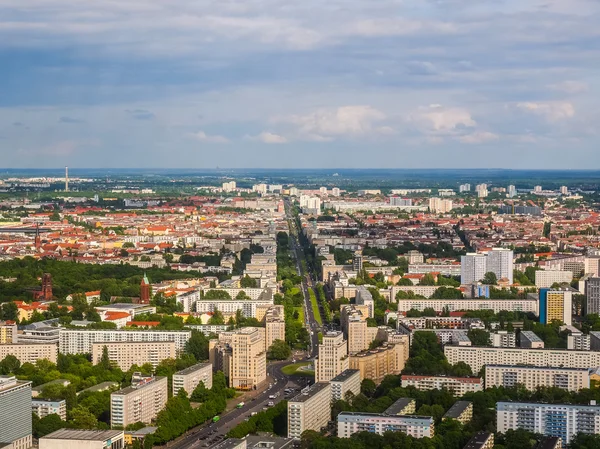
(191, 369)
(267, 442)
(457, 409)
(229, 443)
(549, 443)
(314, 389)
(538, 367)
(398, 406)
(88, 435)
(345, 375)
(100, 387)
(478, 440)
(131, 389)
(382, 415)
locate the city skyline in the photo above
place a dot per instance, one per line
(277, 84)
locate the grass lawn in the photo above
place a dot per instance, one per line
(300, 311)
(292, 370)
(315, 306)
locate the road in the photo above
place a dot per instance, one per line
(311, 323)
(210, 434)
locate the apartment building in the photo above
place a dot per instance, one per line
(30, 353)
(43, 408)
(458, 386)
(189, 378)
(557, 420)
(529, 340)
(8, 332)
(547, 278)
(347, 382)
(140, 402)
(440, 205)
(477, 357)
(310, 410)
(360, 335)
(402, 406)
(127, 354)
(88, 439)
(333, 357)
(454, 305)
(531, 377)
(503, 339)
(274, 325)
(15, 413)
(473, 267)
(349, 423)
(556, 305)
(462, 411)
(481, 440)
(79, 341)
(365, 298)
(39, 335)
(241, 356)
(500, 262)
(592, 293)
(377, 363)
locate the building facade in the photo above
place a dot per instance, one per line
(531, 377)
(83, 439)
(15, 412)
(30, 353)
(140, 402)
(349, 423)
(189, 378)
(457, 385)
(127, 354)
(310, 410)
(347, 382)
(556, 305)
(333, 357)
(377, 363)
(43, 408)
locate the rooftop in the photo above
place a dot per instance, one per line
(268, 442)
(345, 375)
(398, 406)
(193, 368)
(478, 440)
(88, 435)
(457, 409)
(132, 388)
(541, 368)
(308, 394)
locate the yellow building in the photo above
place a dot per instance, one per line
(8, 332)
(377, 363)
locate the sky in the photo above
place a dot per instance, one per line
(300, 84)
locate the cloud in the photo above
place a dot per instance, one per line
(436, 118)
(140, 114)
(345, 121)
(268, 137)
(570, 87)
(70, 120)
(551, 111)
(203, 137)
(478, 137)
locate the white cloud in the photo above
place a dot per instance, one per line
(570, 87)
(478, 137)
(268, 137)
(203, 137)
(346, 121)
(436, 118)
(552, 111)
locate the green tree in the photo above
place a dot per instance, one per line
(489, 278)
(82, 418)
(279, 350)
(428, 279)
(479, 337)
(248, 282)
(197, 345)
(47, 424)
(368, 387)
(9, 365)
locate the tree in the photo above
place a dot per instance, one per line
(428, 279)
(279, 350)
(405, 282)
(368, 387)
(489, 278)
(10, 311)
(216, 318)
(9, 365)
(242, 295)
(82, 418)
(479, 337)
(105, 360)
(248, 282)
(47, 425)
(197, 345)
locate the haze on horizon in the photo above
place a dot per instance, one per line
(276, 83)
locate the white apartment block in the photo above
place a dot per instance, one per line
(140, 402)
(531, 377)
(473, 267)
(189, 378)
(80, 341)
(333, 357)
(346, 382)
(503, 339)
(500, 262)
(43, 408)
(15, 413)
(365, 298)
(127, 354)
(477, 357)
(349, 423)
(30, 353)
(557, 420)
(546, 278)
(529, 340)
(497, 305)
(440, 205)
(231, 306)
(310, 410)
(578, 342)
(457, 385)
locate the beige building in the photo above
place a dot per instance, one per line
(347, 382)
(462, 411)
(377, 363)
(8, 332)
(30, 353)
(481, 440)
(458, 386)
(546, 278)
(189, 378)
(140, 402)
(127, 354)
(274, 325)
(83, 439)
(402, 406)
(310, 410)
(531, 377)
(333, 357)
(477, 357)
(241, 355)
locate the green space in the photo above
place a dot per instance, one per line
(315, 306)
(300, 312)
(294, 370)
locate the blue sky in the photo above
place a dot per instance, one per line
(281, 83)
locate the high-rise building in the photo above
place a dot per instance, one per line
(43, 408)
(357, 261)
(140, 402)
(333, 357)
(310, 410)
(473, 267)
(564, 190)
(503, 339)
(591, 265)
(500, 262)
(546, 278)
(512, 191)
(347, 382)
(274, 325)
(557, 420)
(349, 423)
(592, 293)
(482, 190)
(440, 205)
(189, 378)
(66, 179)
(399, 201)
(8, 332)
(260, 188)
(15, 413)
(531, 377)
(335, 191)
(229, 186)
(365, 298)
(375, 364)
(556, 305)
(127, 354)
(464, 188)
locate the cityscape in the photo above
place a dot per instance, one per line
(223, 310)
